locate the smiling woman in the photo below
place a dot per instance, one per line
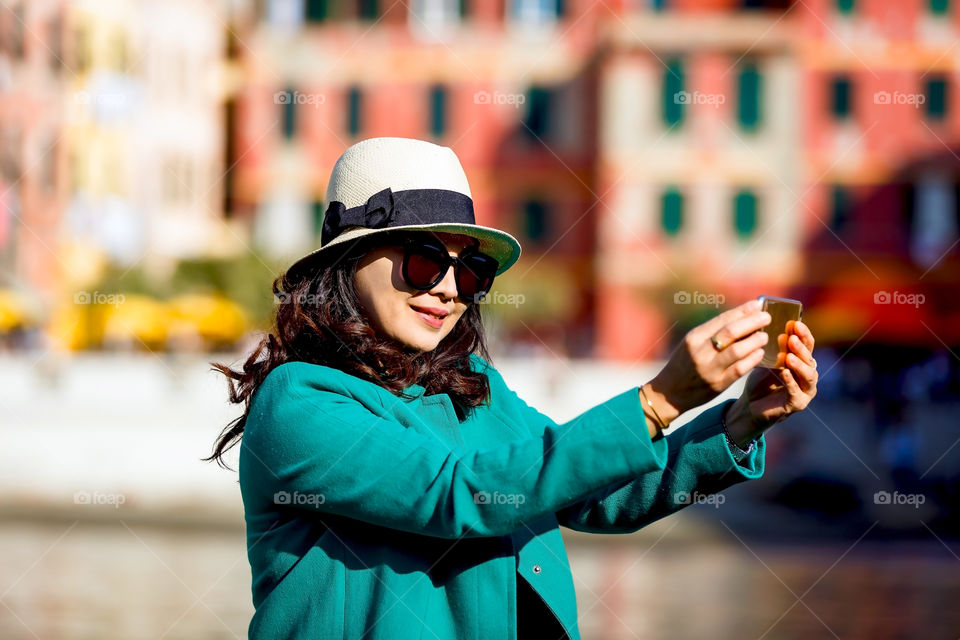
(394, 486)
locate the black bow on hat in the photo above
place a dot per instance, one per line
(388, 209)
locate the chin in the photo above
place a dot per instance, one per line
(419, 342)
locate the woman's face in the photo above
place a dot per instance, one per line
(391, 304)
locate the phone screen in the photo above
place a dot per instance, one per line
(783, 313)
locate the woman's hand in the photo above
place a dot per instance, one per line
(770, 395)
(697, 371)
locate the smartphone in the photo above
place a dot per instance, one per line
(783, 313)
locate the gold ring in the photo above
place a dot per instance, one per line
(716, 343)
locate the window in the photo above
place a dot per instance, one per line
(672, 88)
(744, 213)
(939, 7)
(749, 94)
(846, 6)
(354, 105)
(671, 211)
(367, 9)
(840, 97)
(316, 10)
(438, 110)
(536, 12)
(936, 97)
(434, 15)
(841, 209)
(933, 229)
(289, 106)
(535, 221)
(537, 118)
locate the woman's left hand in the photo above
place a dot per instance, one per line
(770, 395)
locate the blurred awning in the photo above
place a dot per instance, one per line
(212, 317)
(17, 310)
(885, 304)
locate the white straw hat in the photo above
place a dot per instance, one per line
(385, 184)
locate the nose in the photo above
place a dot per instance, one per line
(447, 287)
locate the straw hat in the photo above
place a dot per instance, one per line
(384, 184)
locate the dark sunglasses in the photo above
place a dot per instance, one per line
(426, 260)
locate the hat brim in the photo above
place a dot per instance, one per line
(500, 245)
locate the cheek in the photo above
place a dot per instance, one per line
(375, 288)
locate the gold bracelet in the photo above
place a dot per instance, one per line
(660, 424)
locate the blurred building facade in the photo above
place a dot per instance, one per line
(657, 159)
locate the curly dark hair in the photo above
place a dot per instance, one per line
(319, 319)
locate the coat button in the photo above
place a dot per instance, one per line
(536, 568)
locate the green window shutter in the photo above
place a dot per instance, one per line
(939, 7)
(671, 211)
(538, 112)
(936, 98)
(315, 10)
(750, 96)
(840, 91)
(672, 86)
(354, 105)
(367, 9)
(289, 107)
(840, 208)
(438, 110)
(744, 213)
(535, 220)
(846, 6)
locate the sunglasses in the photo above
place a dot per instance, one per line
(426, 260)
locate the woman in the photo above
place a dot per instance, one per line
(395, 487)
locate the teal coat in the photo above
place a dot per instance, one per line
(370, 515)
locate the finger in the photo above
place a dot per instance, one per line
(806, 376)
(743, 326)
(790, 382)
(736, 370)
(797, 347)
(803, 332)
(741, 349)
(713, 325)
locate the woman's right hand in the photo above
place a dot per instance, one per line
(697, 372)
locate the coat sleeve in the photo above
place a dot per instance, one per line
(308, 444)
(699, 463)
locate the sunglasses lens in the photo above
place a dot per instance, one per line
(476, 276)
(425, 264)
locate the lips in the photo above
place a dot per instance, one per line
(432, 311)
